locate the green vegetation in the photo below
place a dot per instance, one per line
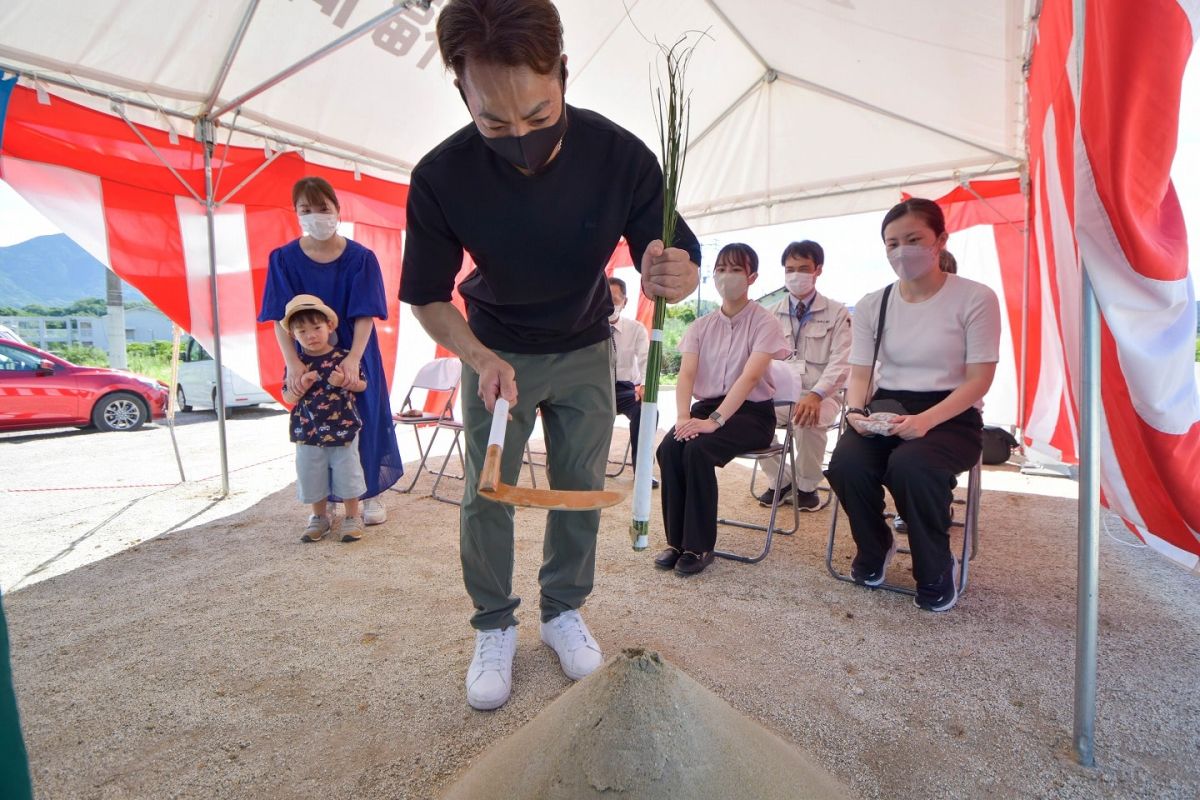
(152, 359)
(83, 355)
(679, 316)
(89, 307)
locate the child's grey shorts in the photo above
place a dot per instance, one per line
(322, 471)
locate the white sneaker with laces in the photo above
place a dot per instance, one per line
(373, 512)
(489, 678)
(569, 637)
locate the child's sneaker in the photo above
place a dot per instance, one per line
(317, 528)
(351, 529)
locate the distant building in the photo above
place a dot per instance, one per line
(55, 333)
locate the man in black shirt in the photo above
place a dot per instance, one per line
(538, 193)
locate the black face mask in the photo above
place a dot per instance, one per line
(533, 150)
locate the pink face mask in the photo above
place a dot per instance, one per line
(912, 261)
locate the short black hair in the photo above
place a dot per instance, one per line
(309, 316)
(620, 284)
(741, 254)
(805, 249)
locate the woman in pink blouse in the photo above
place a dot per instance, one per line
(725, 359)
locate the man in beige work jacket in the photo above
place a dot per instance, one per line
(817, 330)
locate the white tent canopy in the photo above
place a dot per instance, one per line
(831, 106)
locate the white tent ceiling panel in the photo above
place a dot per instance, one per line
(781, 136)
(854, 106)
(944, 63)
(169, 49)
(619, 79)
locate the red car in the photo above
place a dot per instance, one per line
(40, 390)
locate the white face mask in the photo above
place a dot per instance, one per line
(616, 314)
(731, 285)
(799, 283)
(319, 226)
(912, 261)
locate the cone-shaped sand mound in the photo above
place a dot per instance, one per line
(640, 728)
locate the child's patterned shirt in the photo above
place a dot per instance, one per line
(326, 415)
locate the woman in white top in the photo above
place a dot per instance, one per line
(937, 357)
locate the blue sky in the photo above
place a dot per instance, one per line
(850, 242)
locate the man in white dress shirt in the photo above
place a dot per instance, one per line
(631, 343)
(818, 331)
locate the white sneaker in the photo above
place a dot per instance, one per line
(489, 678)
(577, 651)
(373, 512)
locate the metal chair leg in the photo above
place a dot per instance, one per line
(424, 456)
(970, 526)
(454, 445)
(786, 459)
(624, 461)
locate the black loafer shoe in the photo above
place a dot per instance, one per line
(667, 558)
(691, 564)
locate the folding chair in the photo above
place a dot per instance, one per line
(823, 487)
(970, 543)
(786, 392)
(625, 461)
(439, 375)
(456, 427)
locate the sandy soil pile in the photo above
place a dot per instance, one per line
(640, 728)
(227, 660)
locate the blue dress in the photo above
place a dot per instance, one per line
(353, 287)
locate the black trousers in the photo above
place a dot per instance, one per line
(631, 407)
(920, 474)
(689, 470)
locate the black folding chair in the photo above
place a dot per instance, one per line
(970, 543)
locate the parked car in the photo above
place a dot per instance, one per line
(41, 390)
(197, 386)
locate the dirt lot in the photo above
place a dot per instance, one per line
(167, 645)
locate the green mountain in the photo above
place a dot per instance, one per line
(52, 271)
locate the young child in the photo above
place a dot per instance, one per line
(324, 422)
(725, 358)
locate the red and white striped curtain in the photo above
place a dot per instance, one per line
(1100, 153)
(90, 174)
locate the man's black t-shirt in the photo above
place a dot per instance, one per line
(540, 242)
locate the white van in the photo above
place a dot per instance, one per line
(11, 335)
(197, 386)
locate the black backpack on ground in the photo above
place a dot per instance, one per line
(998, 445)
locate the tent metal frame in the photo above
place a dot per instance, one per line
(206, 124)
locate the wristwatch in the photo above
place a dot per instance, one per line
(717, 418)
(862, 411)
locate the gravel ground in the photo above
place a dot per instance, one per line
(211, 655)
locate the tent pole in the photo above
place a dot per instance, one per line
(227, 62)
(1087, 611)
(1023, 380)
(207, 140)
(374, 22)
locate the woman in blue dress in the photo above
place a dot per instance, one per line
(346, 276)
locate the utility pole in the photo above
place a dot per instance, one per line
(114, 321)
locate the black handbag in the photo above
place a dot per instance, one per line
(883, 404)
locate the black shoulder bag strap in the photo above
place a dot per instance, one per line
(883, 305)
